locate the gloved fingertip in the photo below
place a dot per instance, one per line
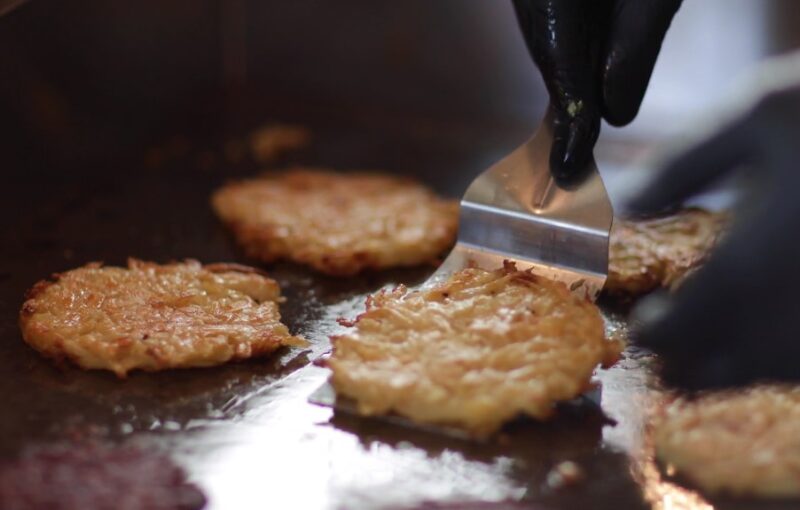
(643, 206)
(679, 377)
(565, 164)
(650, 322)
(618, 112)
(714, 373)
(622, 94)
(623, 89)
(572, 151)
(643, 196)
(650, 309)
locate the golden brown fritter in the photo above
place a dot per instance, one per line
(473, 352)
(339, 224)
(741, 442)
(154, 317)
(648, 254)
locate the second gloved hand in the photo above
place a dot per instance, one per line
(596, 57)
(736, 320)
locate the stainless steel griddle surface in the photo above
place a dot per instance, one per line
(246, 432)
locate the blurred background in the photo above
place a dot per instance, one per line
(82, 81)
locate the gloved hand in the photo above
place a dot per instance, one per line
(737, 319)
(596, 57)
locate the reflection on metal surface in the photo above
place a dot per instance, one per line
(516, 211)
(663, 494)
(306, 457)
(326, 396)
(628, 395)
(245, 432)
(284, 448)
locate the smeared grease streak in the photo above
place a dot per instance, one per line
(95, 476)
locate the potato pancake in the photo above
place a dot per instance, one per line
(339, 224)
(473, 352)
(648, 254)
(743, 442)
(153, 317)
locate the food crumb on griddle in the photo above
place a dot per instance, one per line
(270, 141)
(95, 476)
(564, 474)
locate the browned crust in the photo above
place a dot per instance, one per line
(741, 442)
(339, 224)
(152, 317)
(647, 254)
(434, 356)
(38, 288)
(232, 267)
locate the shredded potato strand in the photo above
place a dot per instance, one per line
(473, 353)
(339, 224)
(645, 255)
(742, 442)
(153, 317)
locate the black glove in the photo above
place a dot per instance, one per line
(737, 320)
(596, 57)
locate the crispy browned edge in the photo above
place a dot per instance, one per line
(256, 241)
(524, 276)
(233, 267)
(627, 289)
(58, 354)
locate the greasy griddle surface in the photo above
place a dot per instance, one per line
(245, 432)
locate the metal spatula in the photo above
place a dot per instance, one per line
(516, 211)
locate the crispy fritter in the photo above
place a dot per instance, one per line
(269, 142)
(339, 224)
(648, 254)
(154, 317)
(473, 352)
(744, 442)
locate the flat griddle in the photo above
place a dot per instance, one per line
(246, 432)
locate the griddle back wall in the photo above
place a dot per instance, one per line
(79, 80)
